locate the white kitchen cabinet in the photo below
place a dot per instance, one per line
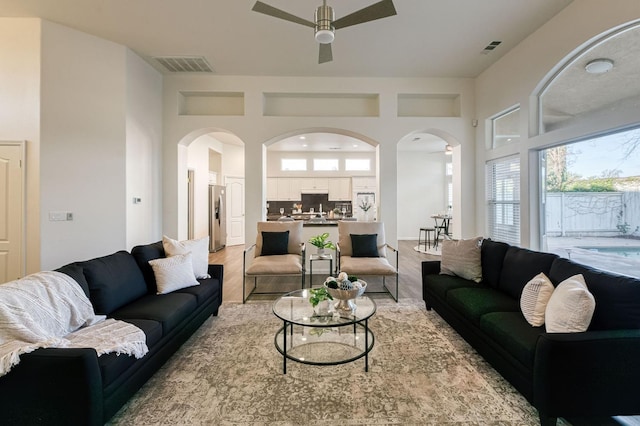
(314, 185)
(272, 189)
(364, 184)
(339, 189)
(283, 189)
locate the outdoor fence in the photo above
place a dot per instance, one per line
(596, 214)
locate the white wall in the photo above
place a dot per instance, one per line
(514, 79)
(20, 114)
(255, 129)
(82, 145)
(421, 191)
(143, 150)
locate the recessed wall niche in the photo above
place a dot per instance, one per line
(428, 105)
(321, 105)
(211, 103)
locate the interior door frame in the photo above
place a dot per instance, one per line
(23, 209)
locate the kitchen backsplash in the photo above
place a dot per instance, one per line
(308, 201)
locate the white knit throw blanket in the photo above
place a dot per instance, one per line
(49, 309)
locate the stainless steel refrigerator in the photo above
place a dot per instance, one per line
(217, 218)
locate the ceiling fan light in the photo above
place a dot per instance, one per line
(325, 36)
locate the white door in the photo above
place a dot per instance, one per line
(11, 212)
(235, 211)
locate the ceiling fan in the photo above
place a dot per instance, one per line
(325, 23)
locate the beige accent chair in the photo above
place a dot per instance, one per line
(291, 263)
(366, 266)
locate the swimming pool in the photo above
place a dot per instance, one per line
(620, 251)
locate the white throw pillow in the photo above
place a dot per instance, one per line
(462, 258)
(571, 307)
(535, 297)
(198, 248)
(173, 273)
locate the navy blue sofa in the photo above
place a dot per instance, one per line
(55, 386)
(583, 375)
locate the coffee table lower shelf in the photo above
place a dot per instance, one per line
(331, 345)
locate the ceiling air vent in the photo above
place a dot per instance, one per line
(184, 63)
(491, 46)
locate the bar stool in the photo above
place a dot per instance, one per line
(427, 237)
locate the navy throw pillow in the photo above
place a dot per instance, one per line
(364, 245)
(275, 243)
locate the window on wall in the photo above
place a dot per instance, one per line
(357, 164)
(505, 129)
(590, 201)
(503, 199)
(325, 164)
(293, 164)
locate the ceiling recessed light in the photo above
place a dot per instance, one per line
(304, 145)
(599, 66)
(303, 138)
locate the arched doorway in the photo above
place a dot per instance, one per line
(209, 158)
(428, 180)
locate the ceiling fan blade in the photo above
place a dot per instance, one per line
(378, 10)
(277, 13)
(325, 54)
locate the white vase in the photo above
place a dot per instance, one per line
(322, 308)
(321, 252)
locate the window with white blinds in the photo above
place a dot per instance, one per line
(503, 199)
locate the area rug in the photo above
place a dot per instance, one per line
(432, 250)
(420, 373)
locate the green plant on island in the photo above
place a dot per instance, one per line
(321, 241)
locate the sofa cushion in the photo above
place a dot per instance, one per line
(617, 297)
(492, 257)
(75, 271)
(441, 284)
(473, 302)
(513, 333)
(534, 299)
(113, 281)
(462, 258)
(208, 290)
(143, 254)
(199, 250)
(113, 366)
(173, 273)
(570, 308)
(519, 266)
(168, 309)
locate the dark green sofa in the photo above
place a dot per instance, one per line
(588, 374)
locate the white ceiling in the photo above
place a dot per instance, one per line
(427, 38)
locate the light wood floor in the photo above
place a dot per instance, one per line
(409, 282)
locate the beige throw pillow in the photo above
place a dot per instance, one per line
(535, 297)
(571, 307)
(173, 273)
(199, 250)
(462, 258)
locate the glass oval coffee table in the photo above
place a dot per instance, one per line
(330, 339)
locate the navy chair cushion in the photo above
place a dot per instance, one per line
(275, 243)
(364, 245)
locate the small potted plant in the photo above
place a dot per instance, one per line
(319, 299)
(321, 242)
